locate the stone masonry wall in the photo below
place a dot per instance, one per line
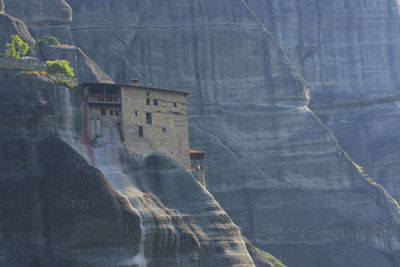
(173, 140)
(22, 64)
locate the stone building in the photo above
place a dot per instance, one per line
(150, 119)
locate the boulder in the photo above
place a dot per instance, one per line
(41, 12)
(10, 25)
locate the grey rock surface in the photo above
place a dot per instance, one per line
(62, 32)
(85, 69)
(72, 203)
(88, 71)
(56, 209)
(44, 17)
(43, 12)
(10, 25)
(295, 193)
(347, 51)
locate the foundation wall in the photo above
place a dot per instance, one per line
(32, 64)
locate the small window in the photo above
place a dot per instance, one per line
(148, 101)
(116, 113)
(174, 104)
(141, 131)
(147, 94)
(148, 118)
(155, 102)
(164, 130)
(111, 112)
(103, 111)
(136, 113)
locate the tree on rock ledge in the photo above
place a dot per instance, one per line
(16, 48)
(60, 67)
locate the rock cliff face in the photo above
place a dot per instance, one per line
(347, 51)
(86, 70)
(81, 203)
(44, 17)
(10, 25)
(72, 203)
(273, 166)
(296, 194)
(37, 227)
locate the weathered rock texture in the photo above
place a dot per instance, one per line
(84, 68)
(43, 12)
(296, 195)
(44, 17)
(348, 51)
(57, 210)
(60, 201)
(9, 26)
(33, 64)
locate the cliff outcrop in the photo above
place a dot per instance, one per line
(69, 202)
(347, 52)
(44, 17)
(86, 70)
(297, 195)
(10, 25)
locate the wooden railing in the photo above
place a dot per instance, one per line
(110, 98)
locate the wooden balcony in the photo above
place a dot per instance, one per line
(98, 98)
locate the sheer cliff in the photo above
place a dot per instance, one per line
(271, 163)
(66, 202)
(296, 193)
(347, 51)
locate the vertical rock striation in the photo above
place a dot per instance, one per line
(296, 194)
(56, 209)
(347, 51)
(44, 17)
(10, 25)
(71, 203)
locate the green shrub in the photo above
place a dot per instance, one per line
(60, 67)
(61, 82)
(16, 48)
(50, 40)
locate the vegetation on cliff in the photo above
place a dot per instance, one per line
(16, 48)
(60, 67)
(49, 40)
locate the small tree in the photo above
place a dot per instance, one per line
(60, 67)
(16, 48)
(50, 40)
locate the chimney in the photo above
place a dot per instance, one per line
(134, 82)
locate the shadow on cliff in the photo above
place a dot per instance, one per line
(85, 218)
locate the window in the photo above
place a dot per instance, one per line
(174, 104)
(164, 130)
(148, 101)
(103, 111)
(147, 94)
(111, 112)
(116, 113)
(155, 102)
(148, 118)
(136, 113)
(141, 131)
